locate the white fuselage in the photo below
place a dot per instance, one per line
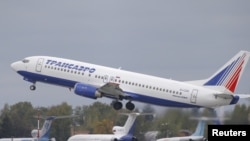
(141, 87)
(96, 137)
(187, 138)
(18, 139)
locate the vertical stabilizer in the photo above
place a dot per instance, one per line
(228, 75)
(130, 123)
(199, 129)
(129, 126)
(45, 131)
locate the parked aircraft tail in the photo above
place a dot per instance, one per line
(129, 125)
(44, 133)
(199, 129)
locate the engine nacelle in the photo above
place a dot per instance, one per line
(114, 139)
(86, 91)
(34, 133)
(128, 138)
(118, 130)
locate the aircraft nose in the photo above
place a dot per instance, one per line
(16, 65)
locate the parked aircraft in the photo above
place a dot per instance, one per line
(95, 81)
(39, 135)
(198, 134)
(124, 133)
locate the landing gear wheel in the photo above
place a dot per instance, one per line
(130, 106)
(32, 87)
(117, 105)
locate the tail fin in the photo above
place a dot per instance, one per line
(200, 129)
(130, 123)
(129, 126)
(227, 77)
(45, 131)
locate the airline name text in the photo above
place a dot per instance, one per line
(70, 66)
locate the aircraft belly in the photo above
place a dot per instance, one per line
(158, 100)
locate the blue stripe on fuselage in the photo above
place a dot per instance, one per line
(33, 77)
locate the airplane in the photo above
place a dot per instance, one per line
(39, 135)
(198, 135)
(96, 81)
(124, 133)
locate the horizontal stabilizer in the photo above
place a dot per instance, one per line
(225, 96)
(243, 96)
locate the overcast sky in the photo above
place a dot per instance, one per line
(182, 40)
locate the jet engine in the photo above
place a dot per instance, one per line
(127, 138)
(86, 91)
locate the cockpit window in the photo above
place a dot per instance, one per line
(25, 61)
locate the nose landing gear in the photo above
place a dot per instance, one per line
(33, 87)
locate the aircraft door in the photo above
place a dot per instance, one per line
(106, 79)
(194, 96)
(39, 64)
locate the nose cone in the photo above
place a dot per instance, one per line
(16, 66)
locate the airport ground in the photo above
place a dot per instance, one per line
(99, 118)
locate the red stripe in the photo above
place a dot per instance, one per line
(231, 85)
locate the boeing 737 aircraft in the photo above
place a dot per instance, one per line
(124, 133)
(95, 81)
(39, 135)
(198, 135)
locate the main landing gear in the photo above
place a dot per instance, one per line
(117, 105)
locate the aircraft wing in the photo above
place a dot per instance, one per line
(112, 90)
